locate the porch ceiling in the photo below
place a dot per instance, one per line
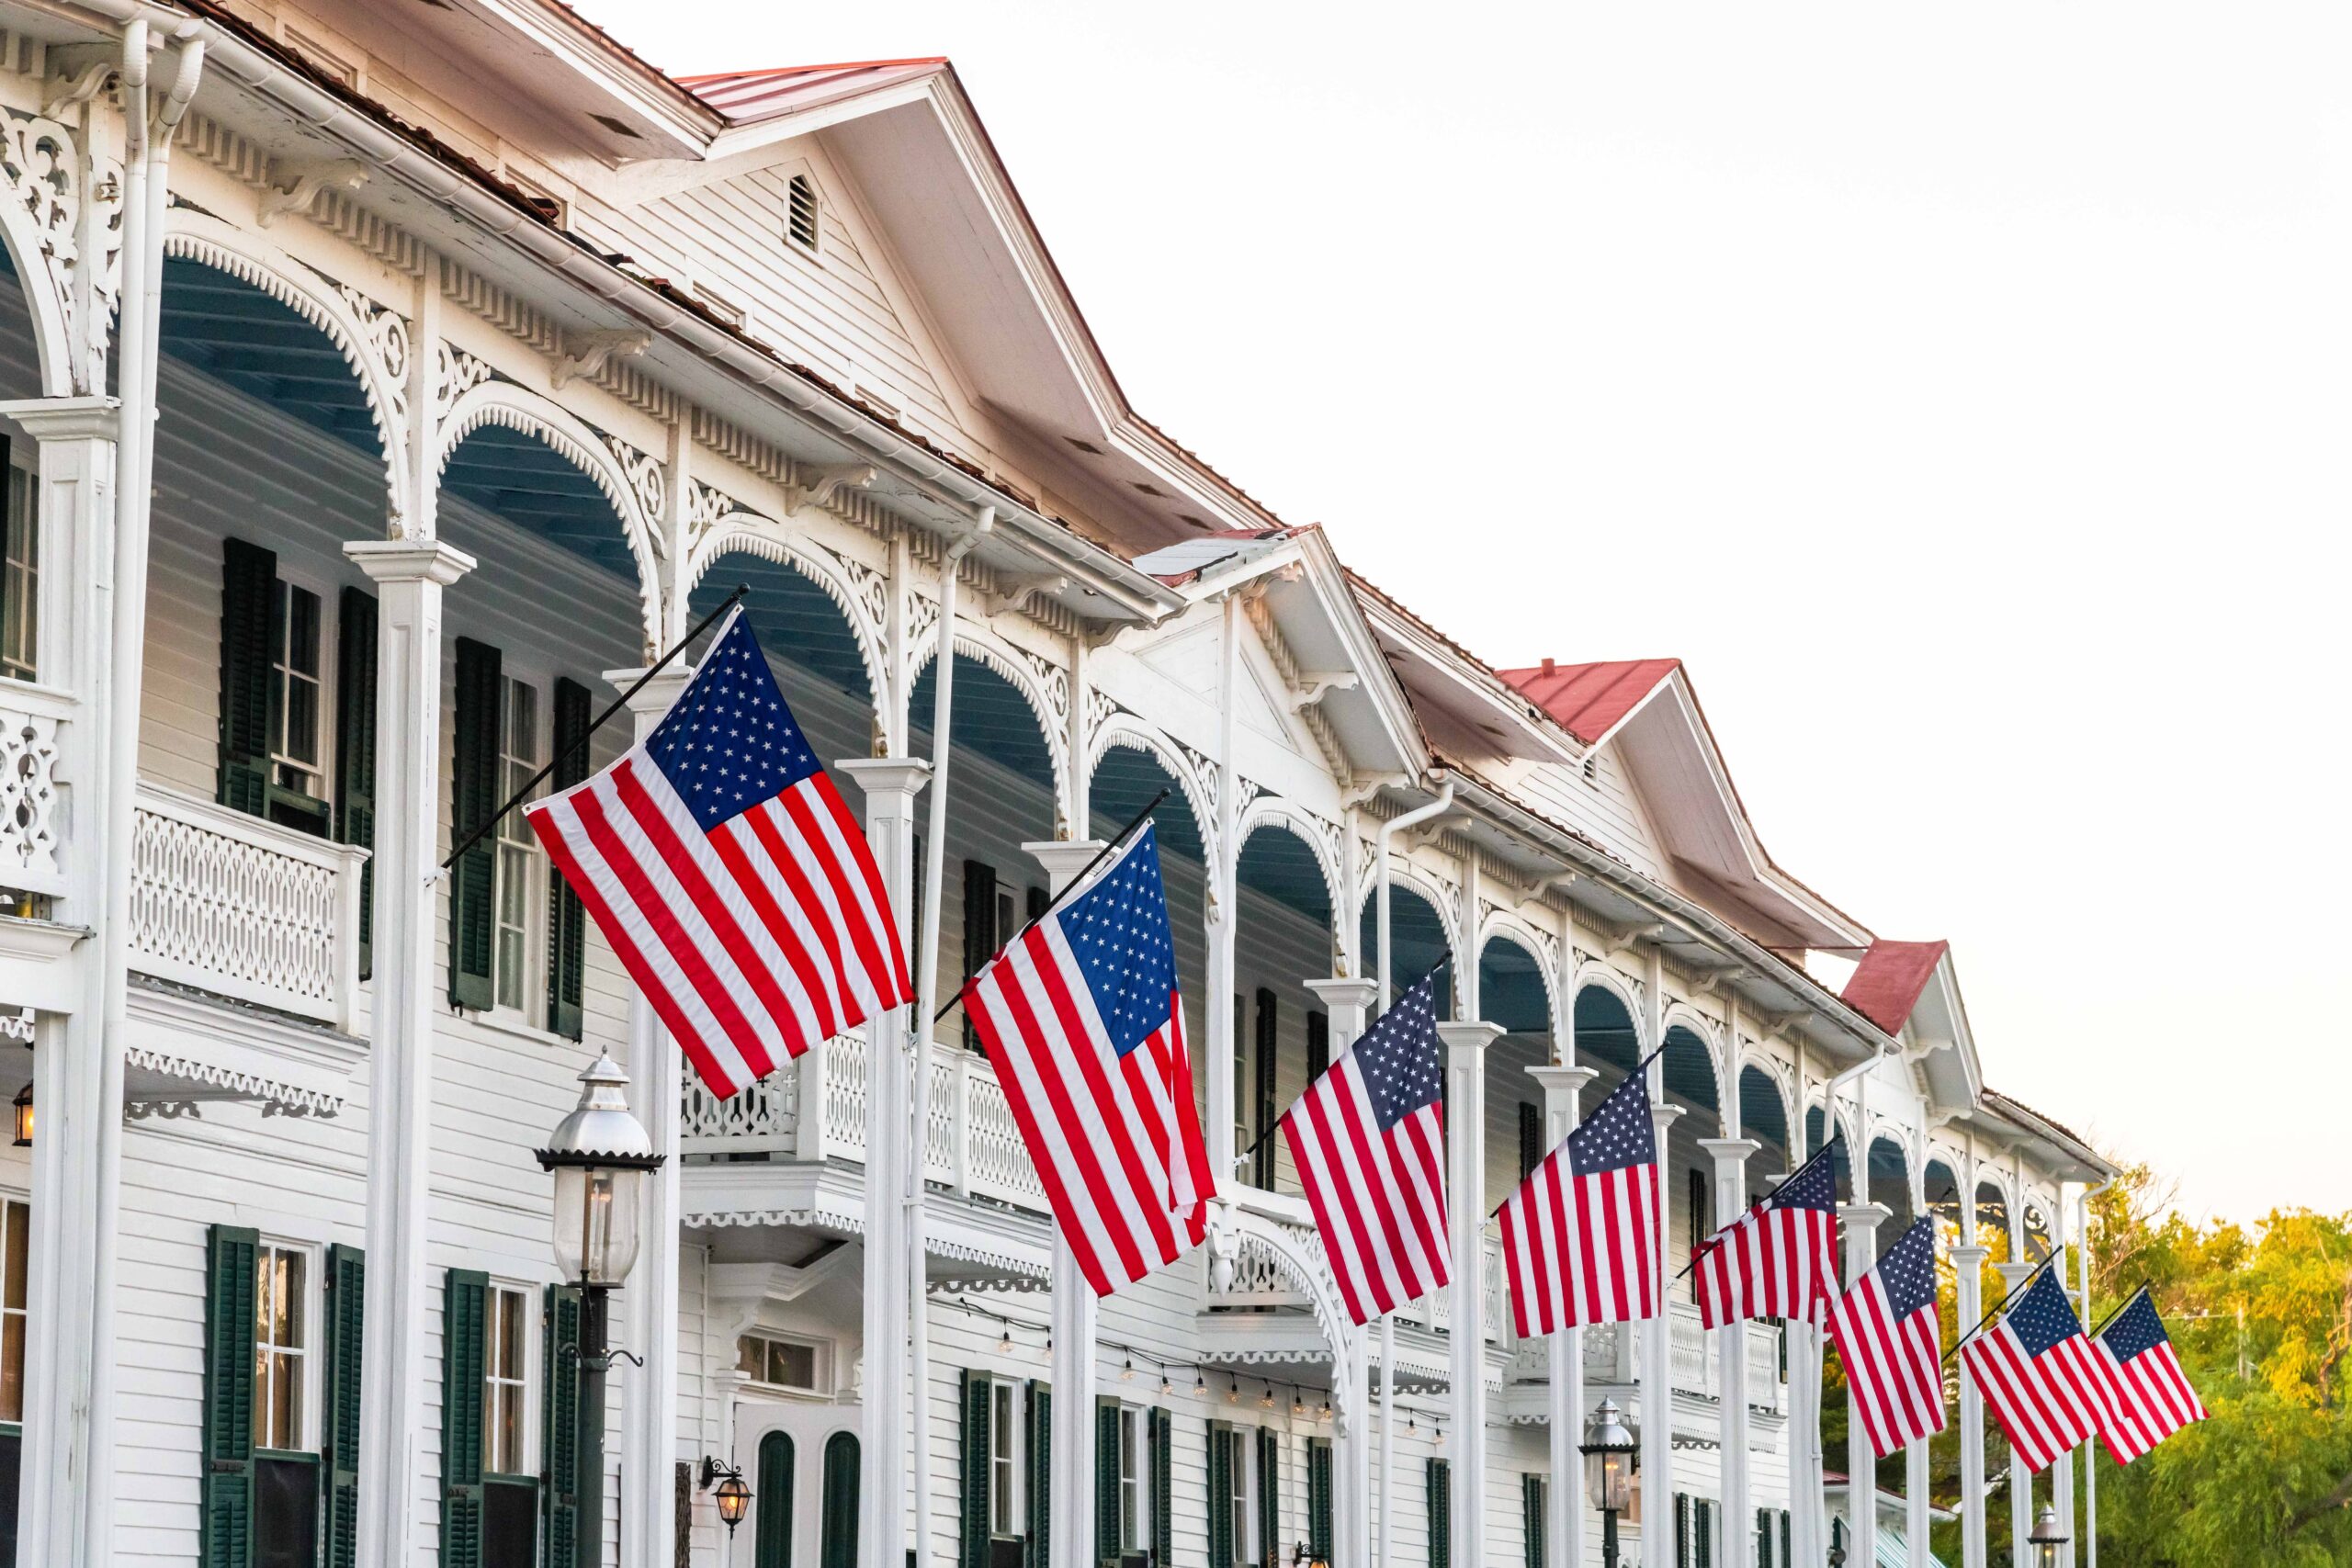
(233, 332)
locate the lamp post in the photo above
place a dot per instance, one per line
(600, 1156)
(1609, 1449)
(2048, 1540)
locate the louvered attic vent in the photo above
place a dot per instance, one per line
(801, 220)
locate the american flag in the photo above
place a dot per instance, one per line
(1780, 1257)
(1368, 1139)
(2038, 1372)
(1581, 1235)
(734, 884)
(1887, 1336)
(2148, 1396)
(1081, 1015)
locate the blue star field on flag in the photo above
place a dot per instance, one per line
(1813, 1185)
(1618, 1134)
(1401, 1058)
(2043, 1318)
(2135, 1330)
(1908, 1269)
(729, 743)
(1117, 931)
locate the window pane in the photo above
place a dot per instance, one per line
(751, 1358)
(19, 1220)
(303, 632)
(796, 1366)
(12, 1367)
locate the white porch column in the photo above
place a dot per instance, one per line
(1074, 1317)
(1465, 1204)
(76, 512)
(408, 578)
(2062, 1469)
(1657, 1356)
(1220, 855)
(1862, 1221)
(1348, 1002)
(2020, 1479)
(1968, 1299)
(890, 784)
(1562, 1086)
(648, 1491)
(1730, 1155)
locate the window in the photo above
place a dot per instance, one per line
(778, 1363)
(800, 216)
(20, 580)
(281, 1344)
(1005, 1513)
(1249, 1546)
(15, 1234)
(1135, 1481)
(519, 895)
(294, 641)
(505, 1381)
(1241, 1096)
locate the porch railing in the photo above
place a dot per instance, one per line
(30, 814)
(1608, 1358)
(244, 909)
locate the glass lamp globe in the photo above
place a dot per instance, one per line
(1608, 1448)
(600, 1155)
(2048, 1540)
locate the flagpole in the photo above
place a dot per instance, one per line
(2012, 1296)
(482, 830)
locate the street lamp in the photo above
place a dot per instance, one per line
(2048, 1540)
(600, 1156)
(1609, 1449)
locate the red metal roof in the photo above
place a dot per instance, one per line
(1588, 700)
(1886, 984)
(746, 95)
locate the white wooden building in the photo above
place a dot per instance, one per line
(480, 361)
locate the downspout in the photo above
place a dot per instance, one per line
(145, 195)
(1386, 831)
(934, 871)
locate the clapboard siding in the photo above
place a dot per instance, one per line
(1603, 806)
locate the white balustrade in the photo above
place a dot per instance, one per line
(243, 908)
(758, 1118)
(1764, 1383)
(1691, 1354)
(1490, 1282)
(845, 1108)
(29, 799)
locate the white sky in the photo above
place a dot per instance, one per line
(1962, 394)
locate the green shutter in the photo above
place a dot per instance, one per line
(354, 750)
(1039, 902)
(1041, 1475)
(977, 1413)
(1270, 1498)
(772, 1528)
(567, 917)
(1440, 1482)
(1106, 1476)
(1530, 1496)
(1703, 1556)
(838, 1535)
(473, 796)
(559, 1444)
(1220, 1496)
(1319, 1499)
(1787, 1560)
(979, 929)
(230, 1290)
(1318, 1045)
(248, 611)
(1763, 1537)
(1681, 1530)
(339, 1469)
(1268, 1049)
(465, 1338)
(1531, 1139)
(1162, 1429)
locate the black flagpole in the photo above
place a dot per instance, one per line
(2005, 1301)
(1137, 822)
(520, 796)
(1639, 1068)
(1435, 971)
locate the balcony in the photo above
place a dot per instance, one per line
(30, 813)
(243, 908)
(972, 1145)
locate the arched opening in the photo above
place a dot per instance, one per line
(1419, 942)
(818, 660)
(1816, 1130)
(1764, 1116)
(1941, 1186)
(523, 682)
(1001, 795)
(1513, 992)
(1891, 1185)
(2038, 1243)
(1283, 940)
(1606, 1037)
(1993, 1222)
(1688, 1068)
